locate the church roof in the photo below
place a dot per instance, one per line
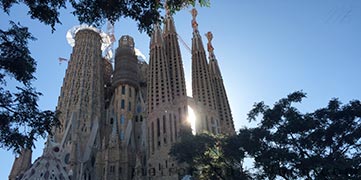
(48, 166)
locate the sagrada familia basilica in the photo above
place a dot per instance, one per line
(120, 122)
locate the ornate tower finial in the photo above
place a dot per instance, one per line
(194, 21)
(210, 48)
(167, 10)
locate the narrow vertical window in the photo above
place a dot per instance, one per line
(122, 104)
(175, 128)
(130, 92)
(171, 128)
(121, 135)
(123, 90)
(153, 137)
(158, 127)
(180, 114)
(122, 119)
(129, 106)
(207, 127)
(164, 125)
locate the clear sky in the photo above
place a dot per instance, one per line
(266, 49)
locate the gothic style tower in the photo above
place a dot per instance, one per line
(21, 164)
(163, 123)
(202, 89)
(121, 124)
(224, 110)
(81, 104)
(176, 72)
(120, 112)
(117, 157)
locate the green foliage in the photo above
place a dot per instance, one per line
(287, 144)
(144, 12)
(21, 122)
(324, 144)
(96, 12)
(209, 156)
(46, 11)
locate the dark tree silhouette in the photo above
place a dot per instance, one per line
(324, 144)
(210, 156)
(21, 122)
(286, 144)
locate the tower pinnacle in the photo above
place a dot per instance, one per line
(210, 48)
(222, 104)
(194, 20)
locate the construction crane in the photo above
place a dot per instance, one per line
(60, 59)
(184, 43)
(109, 53)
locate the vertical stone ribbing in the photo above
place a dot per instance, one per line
(162, 130)
(21, 164)
(118, 156)
(222, 104)
(158, 83)
(201, 82)
(176, 71)
(81, 101)
(202, 88)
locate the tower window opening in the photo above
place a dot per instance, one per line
(122, 119)
(152, 135)
(123, 90)
(171, 128)
(175, 128)
(207, 125)
(122, 104)
(158, 127)
(164, 125)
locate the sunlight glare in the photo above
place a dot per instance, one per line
(192, 119)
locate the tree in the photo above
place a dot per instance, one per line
(324, 144)
(287, 144)
(96, 12)
(209, 156)
(21, 121)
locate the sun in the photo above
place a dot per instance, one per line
(192, 119)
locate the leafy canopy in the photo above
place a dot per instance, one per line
(21, 122)
(324, 144)
(286, 144)
(210, 156)
(96, 12)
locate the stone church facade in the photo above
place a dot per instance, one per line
(121, 123)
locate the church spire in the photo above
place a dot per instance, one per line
(161, 119)
(197, 39)
(21, 164)
(176, 71)
(202, 88)
(213, 64)
(169, 26)
(156, 37)
(194, 19)
(222, 104)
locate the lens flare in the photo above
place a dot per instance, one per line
(192, 119)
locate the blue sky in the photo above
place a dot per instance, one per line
(266, 49)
